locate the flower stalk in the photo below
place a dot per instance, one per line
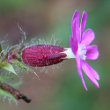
(16, 93)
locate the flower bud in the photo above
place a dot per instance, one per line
(43, 55)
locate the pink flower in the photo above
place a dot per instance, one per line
(79, 42)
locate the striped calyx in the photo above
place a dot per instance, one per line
(43, 55)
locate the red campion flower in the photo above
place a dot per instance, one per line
(80, 48)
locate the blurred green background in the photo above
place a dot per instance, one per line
(59, 87)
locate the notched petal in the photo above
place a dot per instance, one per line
(88, 37)
(92, 52)
(83, 22)
(79, 69)
(93, 72)
(89, 74)
(76, 17)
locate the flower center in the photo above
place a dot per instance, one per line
(82, 51)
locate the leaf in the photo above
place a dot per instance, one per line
(16, 84)
(5, 58)
(19, 64)
(22, 66)
(5, 78)
(8, 67)
(4, 93)
(0, 47)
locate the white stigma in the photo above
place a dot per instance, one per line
(82, 51)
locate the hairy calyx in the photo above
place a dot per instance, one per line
(43, 55)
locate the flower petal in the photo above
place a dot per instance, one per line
(79, 69)
(83, 22)
(73, 45)
(89, 73)
(88, 37)
(93, 72)
(75, 17)
(92, 52)
(73, 38)
(75, 25)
